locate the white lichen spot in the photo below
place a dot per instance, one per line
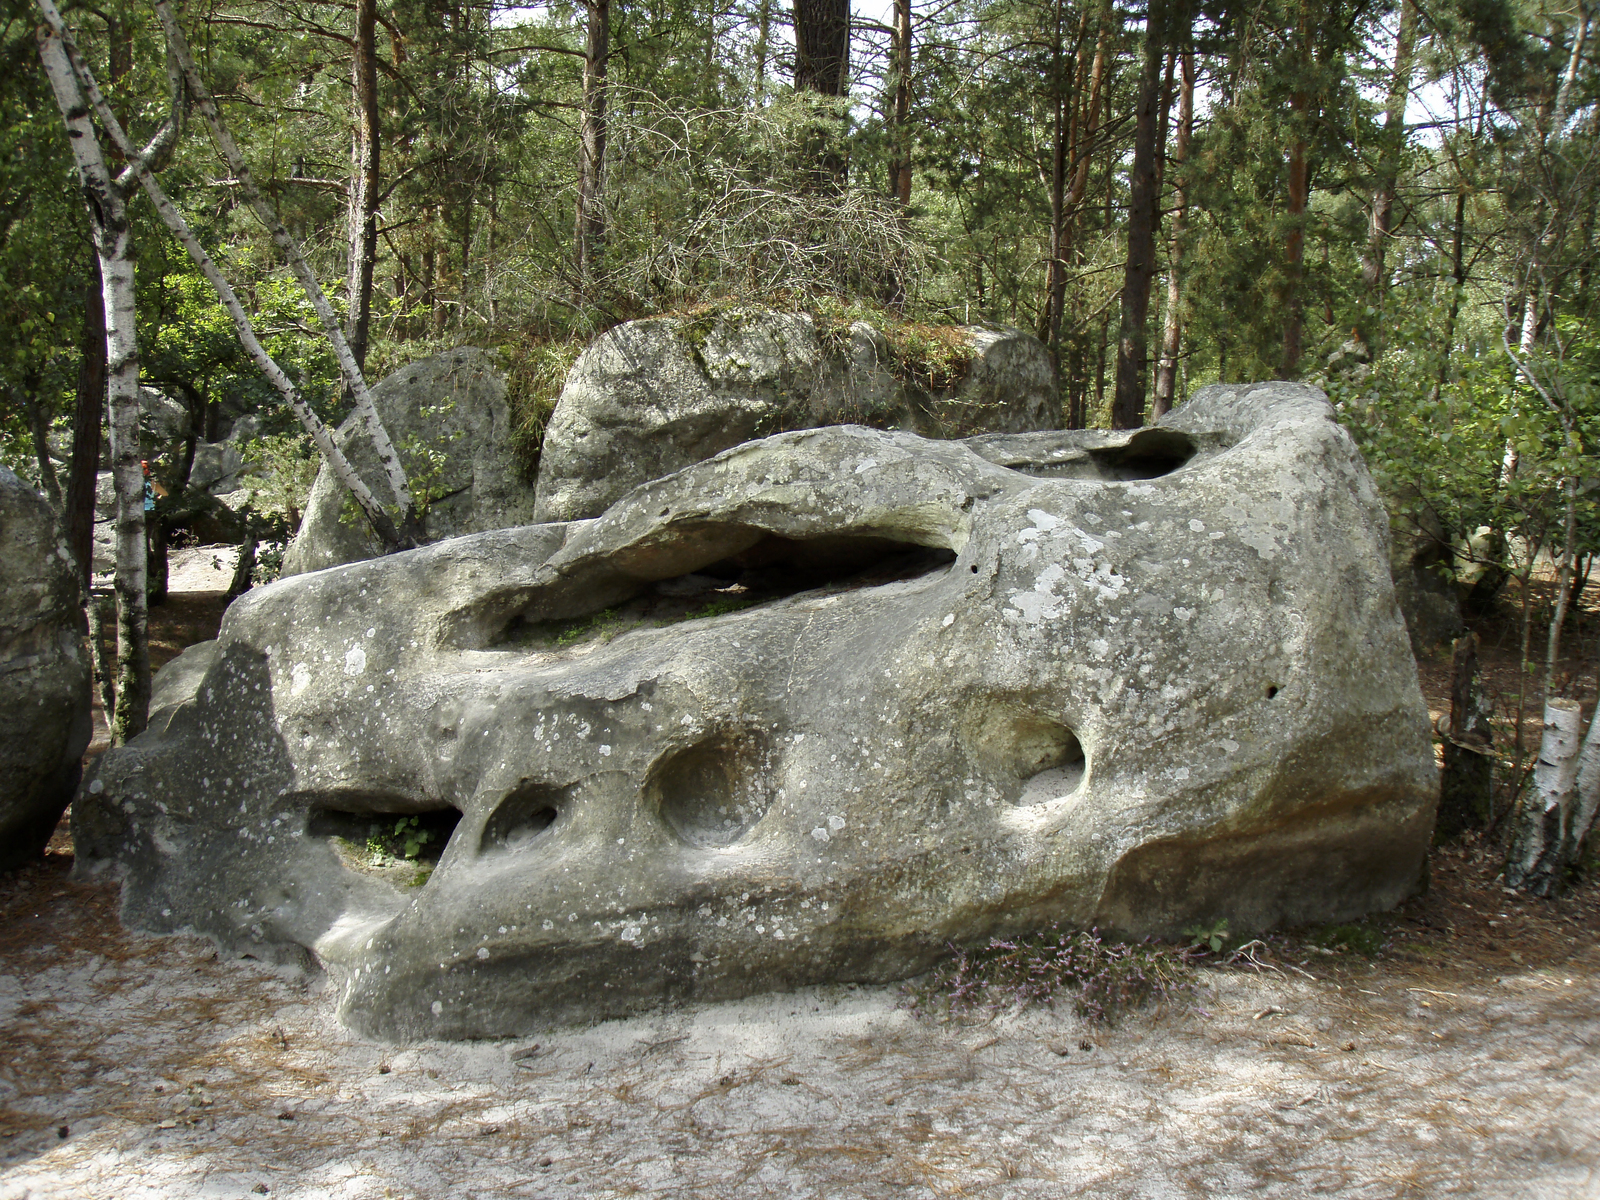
(483, 952)
(355, 660)
(299, 679)
(1197, 526)
(820, 834)
(436, 1008)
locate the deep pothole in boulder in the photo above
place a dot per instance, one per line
(714, 792)
(1034, 757)
(522, 820)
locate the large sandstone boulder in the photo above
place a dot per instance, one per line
(650, 397)
(447, 415)
(810, 710)
(44, 673)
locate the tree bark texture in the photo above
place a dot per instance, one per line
(900, 168)
(1466, 785)
(590, 235)
(1172, 332)
(1294, 248)
(821, 46)
(1076, 121)
(1127, 405)
(1544, 819)
(364, 181)
(83, 474)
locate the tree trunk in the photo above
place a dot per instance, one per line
(1294, 250)
(1127, 407)
(900, 167)
(763, 28)
(1546, 815)
(589, 237)
(104, 677)
(822, 67)
(364, 181)
(1391, 145)
(1069, 177)
(108, 218)
(1466, 785)
(1458, 277)
(821, 46)
(127, 472)
(88, 416)
(1172, 334)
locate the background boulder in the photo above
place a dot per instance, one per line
(448, 418)
(44, 673)
(650, 397)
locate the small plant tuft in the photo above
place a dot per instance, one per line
(1363, 939)
(1104, 979)
(404, 841)
(1211, 937)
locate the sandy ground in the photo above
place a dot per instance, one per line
(1461, 1060)
(145, 1067)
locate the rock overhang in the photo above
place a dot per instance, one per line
(1135, 701)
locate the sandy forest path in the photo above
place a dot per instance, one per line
(1458, 1060)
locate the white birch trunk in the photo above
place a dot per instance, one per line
(1586, 803)
(1545, 815)
(108, 218)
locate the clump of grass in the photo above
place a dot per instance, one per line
(1362, 939)
(721, 607)
(1102, 979)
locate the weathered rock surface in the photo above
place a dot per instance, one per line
(447, 415)
(653, 396)
(44, 674)
(1130, 680)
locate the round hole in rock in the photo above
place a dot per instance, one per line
(522, 817)
(1272, 690)
(713, 792)
(1032, 753)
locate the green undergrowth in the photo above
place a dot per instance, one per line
(536, 371)
(404, 850)
(1358, 938)
(1102, 979)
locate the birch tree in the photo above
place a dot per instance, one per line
(106, 199)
